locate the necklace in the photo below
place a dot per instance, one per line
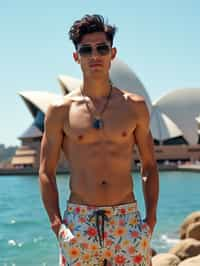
(97, 121)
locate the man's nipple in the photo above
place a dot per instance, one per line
(80, 137)
(124, 134)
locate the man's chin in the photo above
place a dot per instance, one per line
(96, 72)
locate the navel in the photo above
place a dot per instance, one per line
(103, 182)
(124, 134)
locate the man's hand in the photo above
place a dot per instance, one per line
(55, 226)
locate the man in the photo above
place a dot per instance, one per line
(97, 127)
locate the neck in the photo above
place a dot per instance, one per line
(96, 89)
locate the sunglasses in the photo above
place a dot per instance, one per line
(101, 49)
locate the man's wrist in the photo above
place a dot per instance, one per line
(151, 215)
(56, 224)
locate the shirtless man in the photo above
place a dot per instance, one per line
(97, 127)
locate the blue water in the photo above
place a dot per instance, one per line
(25, 236)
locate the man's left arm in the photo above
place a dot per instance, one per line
(149, 172)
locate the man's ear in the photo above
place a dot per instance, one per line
(76, 57)
(113, 53)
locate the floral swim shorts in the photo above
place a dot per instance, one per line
(114, 235)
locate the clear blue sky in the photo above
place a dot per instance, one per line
(159, 40)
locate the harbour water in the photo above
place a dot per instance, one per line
(25, 236)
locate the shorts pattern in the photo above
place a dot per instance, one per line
(93, 235)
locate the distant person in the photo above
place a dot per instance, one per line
(97, 127)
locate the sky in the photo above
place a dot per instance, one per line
(159, 40)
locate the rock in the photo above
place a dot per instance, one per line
(165, 259)
(193, 231)
(186, 248)
(195, 261)
(192, 218)
(153, 252)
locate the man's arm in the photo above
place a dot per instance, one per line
(149, 172)
(49, 156)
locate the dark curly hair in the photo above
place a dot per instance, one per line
(90, 24)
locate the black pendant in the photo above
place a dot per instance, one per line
(97, 123)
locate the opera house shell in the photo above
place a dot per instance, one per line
(175, 119)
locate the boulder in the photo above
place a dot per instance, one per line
(165, 259)
(192, 218)
(186, 248)
(195, 261)
(193, 231)
(153, 252)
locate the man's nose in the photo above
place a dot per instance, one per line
(94, 52)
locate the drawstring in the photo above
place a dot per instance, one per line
(97, 214)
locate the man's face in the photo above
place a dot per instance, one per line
(94, 54)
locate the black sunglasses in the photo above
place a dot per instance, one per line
(86, 50)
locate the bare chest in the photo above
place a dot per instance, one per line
(116, 124)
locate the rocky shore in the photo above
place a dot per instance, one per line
(187, 251)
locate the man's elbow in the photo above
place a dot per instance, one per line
(43, 179)
(46, 176)
(42, 171)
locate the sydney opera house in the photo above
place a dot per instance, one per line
(175, 119)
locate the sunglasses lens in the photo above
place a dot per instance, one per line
(85, 50)
(103, 49)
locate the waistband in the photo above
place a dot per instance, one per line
(85, 210)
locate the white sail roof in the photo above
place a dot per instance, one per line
(68, 83)
(182, 107)
(162, 127)
(123, 77)
(39, 100)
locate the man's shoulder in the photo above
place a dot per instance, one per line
(60, 107)
(57, 106)
(136, 102)
(133, 97)
(64, 101)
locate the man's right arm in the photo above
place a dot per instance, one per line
(49, 156)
